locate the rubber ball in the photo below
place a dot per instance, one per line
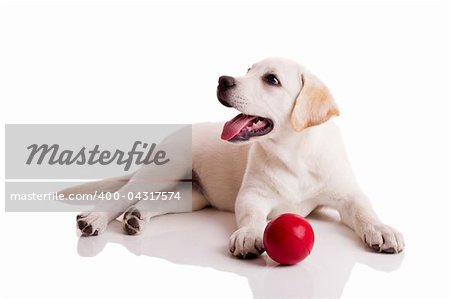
(288, 239)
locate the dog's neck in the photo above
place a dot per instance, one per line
(290, 148)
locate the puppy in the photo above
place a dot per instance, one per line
(282, 153)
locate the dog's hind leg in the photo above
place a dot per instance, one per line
(93, 223)
(105, 211)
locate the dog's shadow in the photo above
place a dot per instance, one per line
(201, 239)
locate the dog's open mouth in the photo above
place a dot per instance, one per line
(243, 127)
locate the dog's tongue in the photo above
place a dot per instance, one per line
(234, 126)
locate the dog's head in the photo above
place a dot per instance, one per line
(275, 95)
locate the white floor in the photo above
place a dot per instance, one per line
(185, 255)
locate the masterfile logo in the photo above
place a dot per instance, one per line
(54, 155)
(70, 151)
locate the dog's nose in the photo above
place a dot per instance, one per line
(226, 82)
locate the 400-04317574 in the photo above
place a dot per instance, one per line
(141, 195)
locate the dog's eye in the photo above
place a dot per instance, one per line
(272, 79)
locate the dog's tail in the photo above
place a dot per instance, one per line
(107, 185)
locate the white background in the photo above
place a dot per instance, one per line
(386, 64)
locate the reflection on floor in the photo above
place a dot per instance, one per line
(200, 239)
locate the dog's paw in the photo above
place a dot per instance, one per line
(383, 238)
(133, 222)
(246, 243)
(92, 224)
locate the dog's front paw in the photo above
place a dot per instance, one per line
(92, 224)
(246, 243)
(133, 222)
(383, 238)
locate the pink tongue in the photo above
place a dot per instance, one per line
(234, 126)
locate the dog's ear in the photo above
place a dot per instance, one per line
(314, 105)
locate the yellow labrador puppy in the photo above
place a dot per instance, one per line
(281, 154)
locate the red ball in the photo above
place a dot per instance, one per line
(288, 239)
